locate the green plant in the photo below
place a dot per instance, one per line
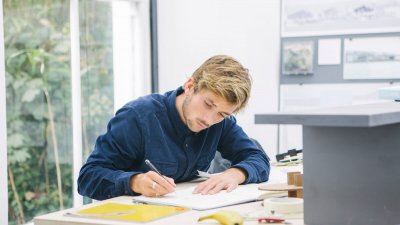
(37, 83)
(38, 86)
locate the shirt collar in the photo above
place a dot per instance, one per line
(181, 129)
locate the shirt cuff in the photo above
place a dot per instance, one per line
(250, 176)
(122, 185)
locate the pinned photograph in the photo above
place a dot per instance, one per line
(298, 58)
(371, 58)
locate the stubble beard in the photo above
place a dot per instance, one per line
(185, 104)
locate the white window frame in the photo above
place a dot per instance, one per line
(132, 70)
(3, 129)
(76, 100)
(137, 82)
(136, 14)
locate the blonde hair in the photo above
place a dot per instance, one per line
(226, 77)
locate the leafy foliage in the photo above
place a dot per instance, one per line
(37, 61)
(38, 82)
(97, 69)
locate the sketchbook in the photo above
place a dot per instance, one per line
(185, 198)
(127, 212)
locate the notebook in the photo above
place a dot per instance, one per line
(127, 212)
(185, 198)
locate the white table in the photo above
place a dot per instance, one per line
(186, 218)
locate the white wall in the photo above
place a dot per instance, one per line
(190, 31)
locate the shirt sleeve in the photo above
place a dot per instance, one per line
(237, 147)
(104, 174)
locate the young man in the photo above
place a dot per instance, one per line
(179, 133)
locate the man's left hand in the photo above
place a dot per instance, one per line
(228, 180)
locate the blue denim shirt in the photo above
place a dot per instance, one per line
(151, 128)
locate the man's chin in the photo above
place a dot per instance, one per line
(194, 127)
(196, 130)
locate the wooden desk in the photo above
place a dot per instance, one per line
(186, 218)
(351, 162)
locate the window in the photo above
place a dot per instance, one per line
(63, 61)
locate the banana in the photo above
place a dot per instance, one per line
(225, 217)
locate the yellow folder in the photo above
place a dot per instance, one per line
(128, 212)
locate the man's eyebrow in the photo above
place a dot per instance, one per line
(212, 103)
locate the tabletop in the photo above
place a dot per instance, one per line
(185, 218)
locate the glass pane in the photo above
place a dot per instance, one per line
(106, 40)
(38, 89)
(96, 69)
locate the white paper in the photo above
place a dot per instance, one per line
(205, 174)
(329, 51)
(185, 198)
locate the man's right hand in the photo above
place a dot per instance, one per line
(151, 184)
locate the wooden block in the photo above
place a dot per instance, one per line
(298, 179)
(299, 193)
(290, 177)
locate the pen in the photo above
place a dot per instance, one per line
(152, 167)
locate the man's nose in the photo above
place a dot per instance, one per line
(211, 117)
(208, 118)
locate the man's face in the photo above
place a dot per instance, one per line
(204, 109)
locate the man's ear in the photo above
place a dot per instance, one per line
(189, 85)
